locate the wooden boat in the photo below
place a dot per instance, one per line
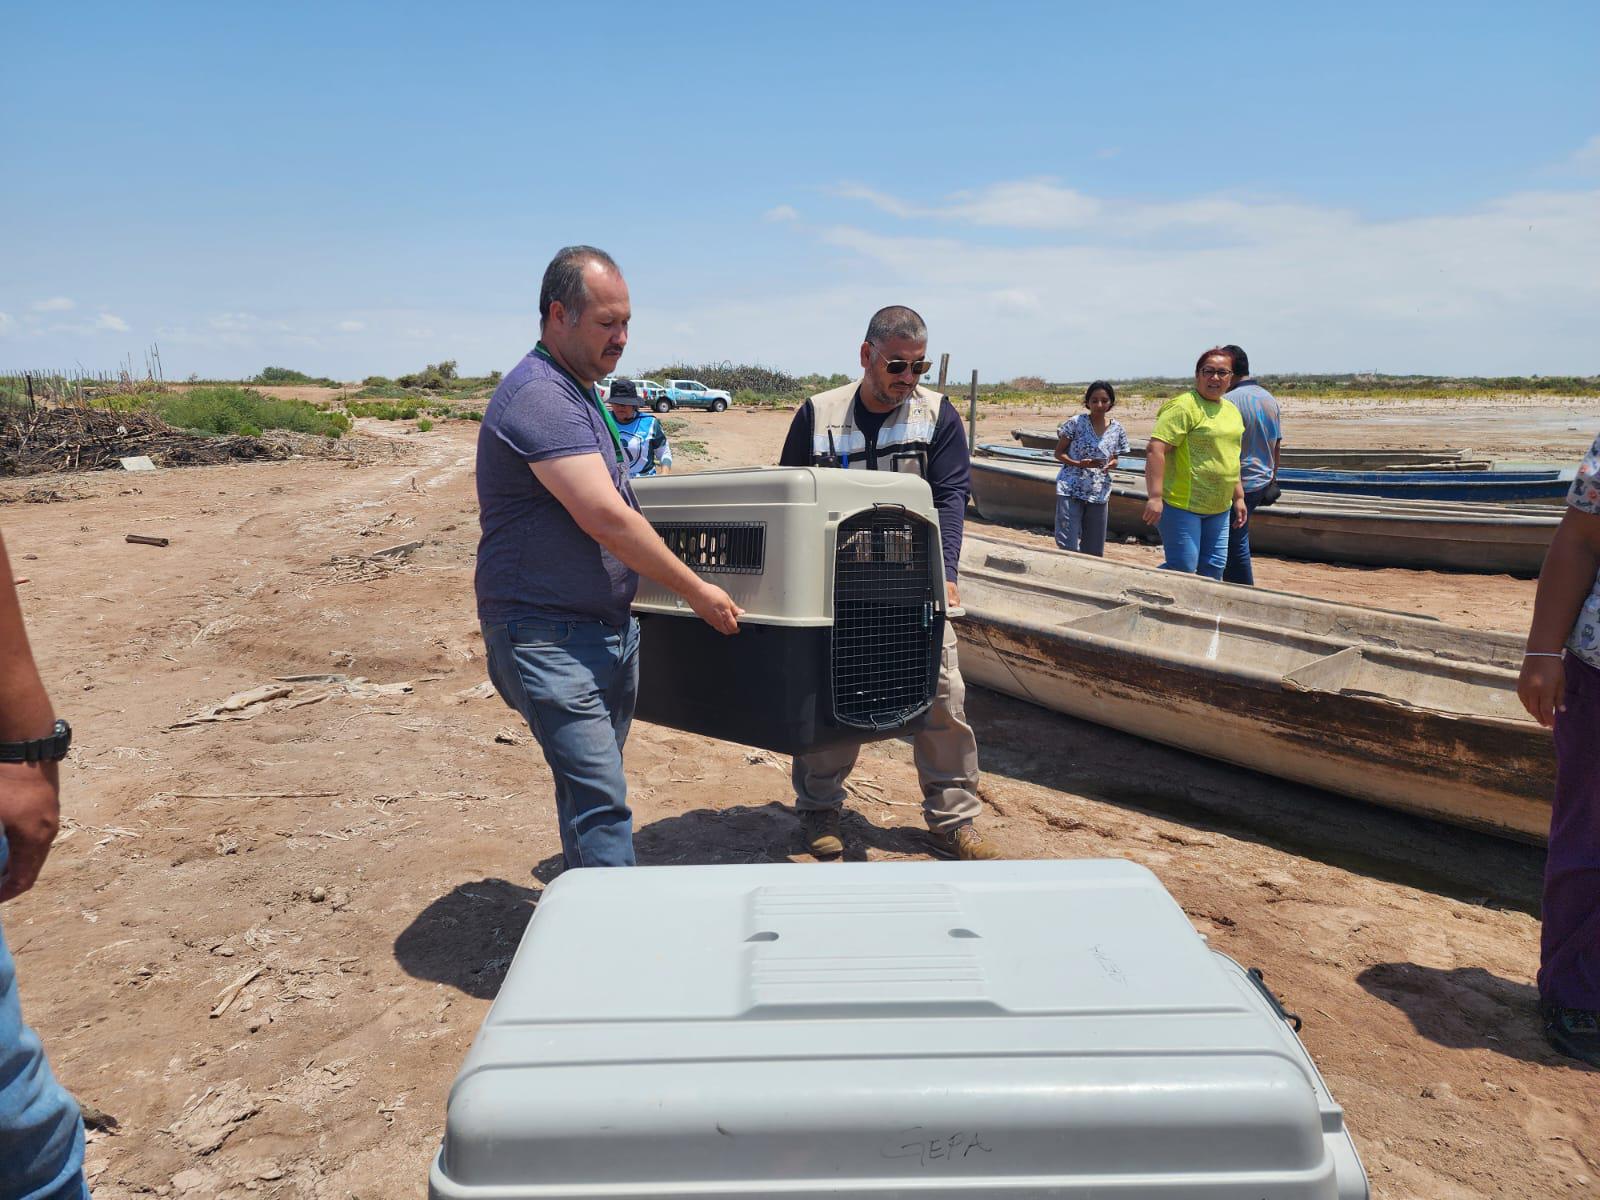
(1348, 458)
(1422, 535)
(1483, 487)
(1392, 709)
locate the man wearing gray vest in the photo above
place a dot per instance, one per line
(885, 421)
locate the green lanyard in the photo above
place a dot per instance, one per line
(593, 394)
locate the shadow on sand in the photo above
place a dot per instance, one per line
(1466, 1008)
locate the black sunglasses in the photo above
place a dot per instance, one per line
(898, 366)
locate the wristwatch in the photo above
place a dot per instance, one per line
(45, 749)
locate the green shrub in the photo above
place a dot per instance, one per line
(423, 425)
(283, 375)
(244, 411)
(733, 378)
(434, 377)
(378, 388)
(749, 398)
(128, 401)
(383, 410)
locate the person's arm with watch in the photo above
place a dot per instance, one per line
(32, 743)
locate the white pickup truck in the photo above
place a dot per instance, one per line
(691, 393)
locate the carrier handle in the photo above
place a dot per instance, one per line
(1277, 1005)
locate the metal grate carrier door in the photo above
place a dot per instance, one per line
(885, 636)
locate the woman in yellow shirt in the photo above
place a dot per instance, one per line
(1191, 470)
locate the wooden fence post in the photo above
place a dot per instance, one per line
(944, 369)
(972, 415)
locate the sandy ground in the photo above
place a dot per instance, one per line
(264, 944)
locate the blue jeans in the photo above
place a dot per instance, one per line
(575, 683)
(1195, 543)
(1239, 569)
(41, 1134)
(1081, 525)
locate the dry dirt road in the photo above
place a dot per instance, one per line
(264, 943)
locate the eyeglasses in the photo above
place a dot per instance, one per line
(899, 366)
(1215, 372)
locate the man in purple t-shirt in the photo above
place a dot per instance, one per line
(560, 554)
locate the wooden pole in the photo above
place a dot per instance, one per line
(972, 414)
(944, 369)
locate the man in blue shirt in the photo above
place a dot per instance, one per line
(1258, 459)
(644, 442)
(561, 550)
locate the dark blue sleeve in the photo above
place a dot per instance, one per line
(797, 446)
(543, 420)
(950, 477)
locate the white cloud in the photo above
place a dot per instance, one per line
(6, 321)
(110, 322)
(1586, 158)
(54, 304)
(1021, 204)
(351, 326)
(783, 212)
(235, 322)
(1506, 287)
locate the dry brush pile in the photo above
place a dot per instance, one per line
(47, 438)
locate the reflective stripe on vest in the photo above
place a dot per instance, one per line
(902, 443)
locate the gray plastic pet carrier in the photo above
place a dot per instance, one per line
(842, 582)
(862, 1031)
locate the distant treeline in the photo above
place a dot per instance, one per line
(754, 384)
(1400, 385)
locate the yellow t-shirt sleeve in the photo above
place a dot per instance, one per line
(1174, 421)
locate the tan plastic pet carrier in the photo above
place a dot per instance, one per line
(841, 579)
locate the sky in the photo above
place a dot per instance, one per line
(1061, 189)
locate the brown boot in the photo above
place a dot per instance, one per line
(820, 827)
(966, 843)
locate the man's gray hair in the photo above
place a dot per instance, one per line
(896, 321)
(563, 280)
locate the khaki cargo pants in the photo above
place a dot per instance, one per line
(945, 751)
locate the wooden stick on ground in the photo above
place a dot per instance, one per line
(231, 993)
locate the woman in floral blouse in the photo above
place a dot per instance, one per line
(1560, 686)
(1087, 449)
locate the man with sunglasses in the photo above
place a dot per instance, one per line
(885, 421)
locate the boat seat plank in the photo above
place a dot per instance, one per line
(1413, 681)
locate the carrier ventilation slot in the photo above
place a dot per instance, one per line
(885, 640)
(733, 547)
